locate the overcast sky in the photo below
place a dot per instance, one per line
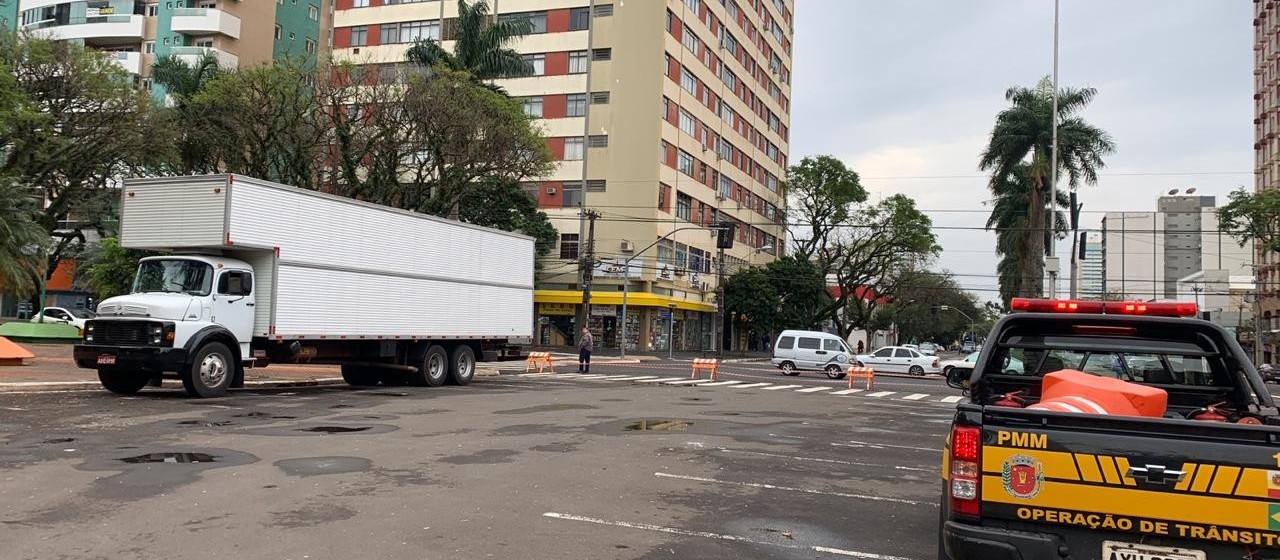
(906, 92)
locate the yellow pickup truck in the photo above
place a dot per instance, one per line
(1200, 482)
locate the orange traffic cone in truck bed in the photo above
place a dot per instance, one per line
(11, 354)
(1075, 391)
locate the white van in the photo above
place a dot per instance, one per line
(796, 351)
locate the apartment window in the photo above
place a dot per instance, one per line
(313, 13)
(690, 42)
(579, 19)
(729, 78)
(666, 249)
(278, 34)
(537, 20)
(684, 207)
(576, 105)
(684, 162)
(597, 141)
(686, 122)
(774, 122)
(206, 44)
(600, 98)
(694, 5)
(153, 10)
(533, 107)
(725, 188)
(724, 149)
(663, 204)
(149, 47)
(568, 245)
(727, 114)
(146, 84)
(573, 149)
(410, 31)
(662, 155)
(166, 40)
(688, 82)
(732, 8)
(772, 151)
(578, 62)
(602, 54)
(596, 185)
(604, 10)
(771, 182)
(359, 36)
(538, 62)
(728, 41)
(360, 4)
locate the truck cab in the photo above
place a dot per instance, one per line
(190, 315)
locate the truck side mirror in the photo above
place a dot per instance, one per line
(958, 377)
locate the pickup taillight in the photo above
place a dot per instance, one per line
(966, 470)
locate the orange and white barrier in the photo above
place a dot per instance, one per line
(539, 360)
(864, 373)
(710, 364)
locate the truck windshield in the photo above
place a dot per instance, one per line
(174, 275)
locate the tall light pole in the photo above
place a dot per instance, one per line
(1053, 161)
(626, 281)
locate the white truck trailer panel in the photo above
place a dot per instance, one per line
(334, 267)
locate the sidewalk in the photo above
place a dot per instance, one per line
(634, 356)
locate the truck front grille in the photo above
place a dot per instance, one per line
(124, 333)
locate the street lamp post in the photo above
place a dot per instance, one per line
(962, 314)
(626, 281)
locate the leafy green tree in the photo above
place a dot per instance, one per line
(111, 268)
(480, 48)
(1019, 153)
(786, 294)
(917, 312)
(1019, 267)
(1253, 217)
(823, 192)
(22, 239)
(504, 205)
(183, 82)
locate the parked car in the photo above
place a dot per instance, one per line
(929, 349)
(1012, 366)
(1269, 373)
(73, 317)
(797, 351)
(901, 359)
(968, 346)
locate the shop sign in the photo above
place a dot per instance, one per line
(617, 268)
(665, 272)
(604, 311)
(556, 309)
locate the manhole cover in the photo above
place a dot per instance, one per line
(171, 458)
(657, 425)
(333, 429)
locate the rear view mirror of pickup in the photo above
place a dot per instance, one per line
(958, 377)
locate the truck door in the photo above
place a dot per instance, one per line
(234, 306)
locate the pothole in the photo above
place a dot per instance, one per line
(171, 458)
(333, 429)
(658, 425)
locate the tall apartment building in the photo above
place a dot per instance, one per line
(1147, 253)
(8, 16)
(704, 85)
(1092, 268)
(1266, 149)
(136, 32)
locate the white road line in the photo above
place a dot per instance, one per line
(780, 387)
(613, 377)
(882, 394)
(847, 392)
(881, 445)
(821, 460)
(637, 378)
(751, 385)
(720, 384)
(686, 382)
(814, 390)
(589, 376)
(791, 489)
(952, 399)
(719, 536)
(914, 397)
(660, 380)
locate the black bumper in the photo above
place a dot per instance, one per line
(972, 542)
(132, 357)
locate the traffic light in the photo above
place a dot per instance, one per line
(724, 237)
(1084, 245)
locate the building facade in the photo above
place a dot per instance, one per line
(1145, 254)
(1092, 268)
(704, 85)
(1266, 149)
(136, 33)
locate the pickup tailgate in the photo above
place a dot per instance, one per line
(1102, 483)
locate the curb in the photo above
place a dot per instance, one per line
(261, 384)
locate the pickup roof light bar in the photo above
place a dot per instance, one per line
(1155, 309)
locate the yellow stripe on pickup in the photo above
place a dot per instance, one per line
(1225, 481)
(1088, 467)
(1056, 464)
(1204, 475)
(1109, 471)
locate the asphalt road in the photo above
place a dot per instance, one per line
(764, 372)
(509, 467)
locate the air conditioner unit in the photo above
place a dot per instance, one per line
(628, 247)
(551, 190)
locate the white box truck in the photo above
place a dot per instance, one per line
(257, 272)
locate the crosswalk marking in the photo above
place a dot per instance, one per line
(720, 384)
(780, 387)
(952, 399)
(847, 392)
(914, 397)
(589, 376)
(750, 385)
(814, 389)
(636, 378)
(882, 394)
(685, 382)
(661, 380)
(613, 377)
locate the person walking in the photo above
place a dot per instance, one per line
(585, 345)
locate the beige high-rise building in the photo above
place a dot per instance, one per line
(663, 115)
(1266, 147)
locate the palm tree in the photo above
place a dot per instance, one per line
(1021, 144)
(22, 239)
(1020, 265)
(480, 46)
(183, 82)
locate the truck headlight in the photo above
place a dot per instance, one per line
(155, 340)
(88, 337)
(89, 327)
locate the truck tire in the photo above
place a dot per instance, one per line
(462, 365)
(123, 382)
(433, 368)
(211, 372)
(359, 376)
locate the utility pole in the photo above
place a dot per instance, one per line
(588, 265)
(724, 240)
(1053, 162)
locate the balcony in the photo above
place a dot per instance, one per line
(205, 21)
(192, 55)
(94, 30)
(131, 61)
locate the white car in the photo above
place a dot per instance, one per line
(73, 317)
(900, 359)
(1013, 366)
(928, 349)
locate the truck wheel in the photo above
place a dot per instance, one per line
(433, 368)
(359, 376)
(123, 382)
(462, 365)
(211, 372)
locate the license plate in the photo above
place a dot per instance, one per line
(106, 360)
(1112, 550)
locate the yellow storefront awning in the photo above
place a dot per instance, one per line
(637, 299)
